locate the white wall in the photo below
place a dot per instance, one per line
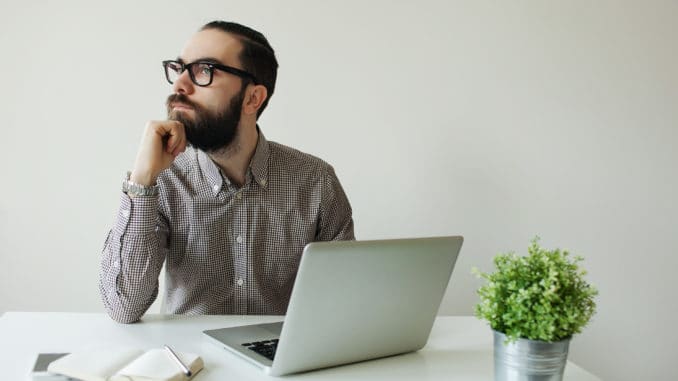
(495, 120)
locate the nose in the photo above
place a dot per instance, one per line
(183, 84)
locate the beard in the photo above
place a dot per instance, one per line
(208, 131)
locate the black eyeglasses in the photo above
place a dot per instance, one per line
(201, 72)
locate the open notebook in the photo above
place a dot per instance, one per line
(125, 364)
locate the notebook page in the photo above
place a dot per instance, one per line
(156, 364)
(94, 365)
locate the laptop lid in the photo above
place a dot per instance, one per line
(358, 300)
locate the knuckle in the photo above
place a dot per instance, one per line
(153, 126)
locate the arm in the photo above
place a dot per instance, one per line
(335, 222)
(132, 259)
(137, 245)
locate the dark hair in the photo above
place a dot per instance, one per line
(257, 55)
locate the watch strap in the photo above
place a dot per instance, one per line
(137, 190)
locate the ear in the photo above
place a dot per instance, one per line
(254, 98)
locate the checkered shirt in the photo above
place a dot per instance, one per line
(226, 249)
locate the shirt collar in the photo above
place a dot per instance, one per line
(211, 172)
(259, 163)
(258, 166)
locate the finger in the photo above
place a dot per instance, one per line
(175, 126)
(174, 142)
(171, 143)
(166, 141)
(176, 136)
(176, 130)
(180, 147)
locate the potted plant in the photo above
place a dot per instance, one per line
(534, 304)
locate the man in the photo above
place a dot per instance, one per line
(226, 210)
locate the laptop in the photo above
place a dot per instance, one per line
(351, 301)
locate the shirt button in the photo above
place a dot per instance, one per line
(240, 282)
(263, 182)
(239, 239)
(239, 196)
(216, 188)
(116, 264)
(125, 213)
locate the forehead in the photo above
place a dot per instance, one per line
(212, 43)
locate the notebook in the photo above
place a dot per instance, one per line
(351, 301)
(125, 364)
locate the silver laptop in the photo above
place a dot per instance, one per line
(352, 301)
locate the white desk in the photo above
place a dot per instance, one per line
(460, 348)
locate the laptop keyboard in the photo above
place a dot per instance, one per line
(265, 348)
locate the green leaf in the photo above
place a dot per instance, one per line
(540, 296)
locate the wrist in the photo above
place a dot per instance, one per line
(134, 189)
(143, 178)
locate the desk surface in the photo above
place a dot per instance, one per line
(460, 347)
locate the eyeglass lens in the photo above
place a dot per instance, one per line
(200, 73)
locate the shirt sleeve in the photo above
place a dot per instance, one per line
(336, 215)
(132, 258)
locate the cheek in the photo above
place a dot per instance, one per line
(205, 104)
(215, 102)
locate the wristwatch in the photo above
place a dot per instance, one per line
(137, 190)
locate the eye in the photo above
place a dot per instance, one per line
(204, 69)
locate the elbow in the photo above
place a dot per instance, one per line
(121, 307)
(123, 317)
(121, 310)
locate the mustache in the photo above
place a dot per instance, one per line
(179, 98)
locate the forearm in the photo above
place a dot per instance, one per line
(132, 259)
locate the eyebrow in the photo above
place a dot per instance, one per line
(201, 59)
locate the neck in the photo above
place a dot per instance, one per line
(235, 159)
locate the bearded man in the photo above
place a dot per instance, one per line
(227, 211)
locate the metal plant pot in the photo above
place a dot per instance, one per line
(529, 360)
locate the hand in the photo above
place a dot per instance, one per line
(161, 143)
